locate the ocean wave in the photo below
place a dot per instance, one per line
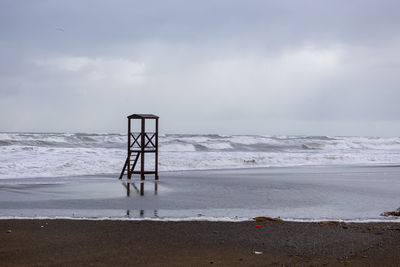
(66, 154)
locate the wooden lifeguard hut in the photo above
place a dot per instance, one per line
(140, 144)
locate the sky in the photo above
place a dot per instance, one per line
(226, 67)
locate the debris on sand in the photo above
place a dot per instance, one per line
(263, 218)
(391, 213)
(332, 223)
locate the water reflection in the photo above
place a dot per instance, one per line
(142, 213)
(139, 188)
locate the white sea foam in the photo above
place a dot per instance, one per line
(192, 219)
(25, 155)
(176, 147)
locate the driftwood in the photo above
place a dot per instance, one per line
(260, 219)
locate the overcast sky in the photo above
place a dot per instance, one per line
(231, 67)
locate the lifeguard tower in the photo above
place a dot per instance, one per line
(140, 144)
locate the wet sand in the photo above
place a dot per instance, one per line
(355, 194)
(150, 243)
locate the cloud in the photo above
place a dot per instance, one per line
(259, 86)
(116, 71)
(209, 66)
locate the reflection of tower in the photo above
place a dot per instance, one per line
(138, 191)
(140, 144)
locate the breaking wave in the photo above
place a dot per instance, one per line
(67, 154)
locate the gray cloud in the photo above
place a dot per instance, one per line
(273, 67)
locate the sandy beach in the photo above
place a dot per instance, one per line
(147, 243)
(202, 218)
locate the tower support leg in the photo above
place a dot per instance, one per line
(123, 169)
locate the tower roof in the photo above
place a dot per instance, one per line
(142, 116)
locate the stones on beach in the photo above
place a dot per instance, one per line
(249, 161)
(263, 218)
(391, 213)
(257, 252)
(9, 231)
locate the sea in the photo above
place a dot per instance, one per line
(202, 177)
(30, 155)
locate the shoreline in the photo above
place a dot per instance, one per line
(224, 169)
(390, 219)
(296, 194)
(151, 243)
(203, 218)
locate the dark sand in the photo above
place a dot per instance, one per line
(150, 243)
